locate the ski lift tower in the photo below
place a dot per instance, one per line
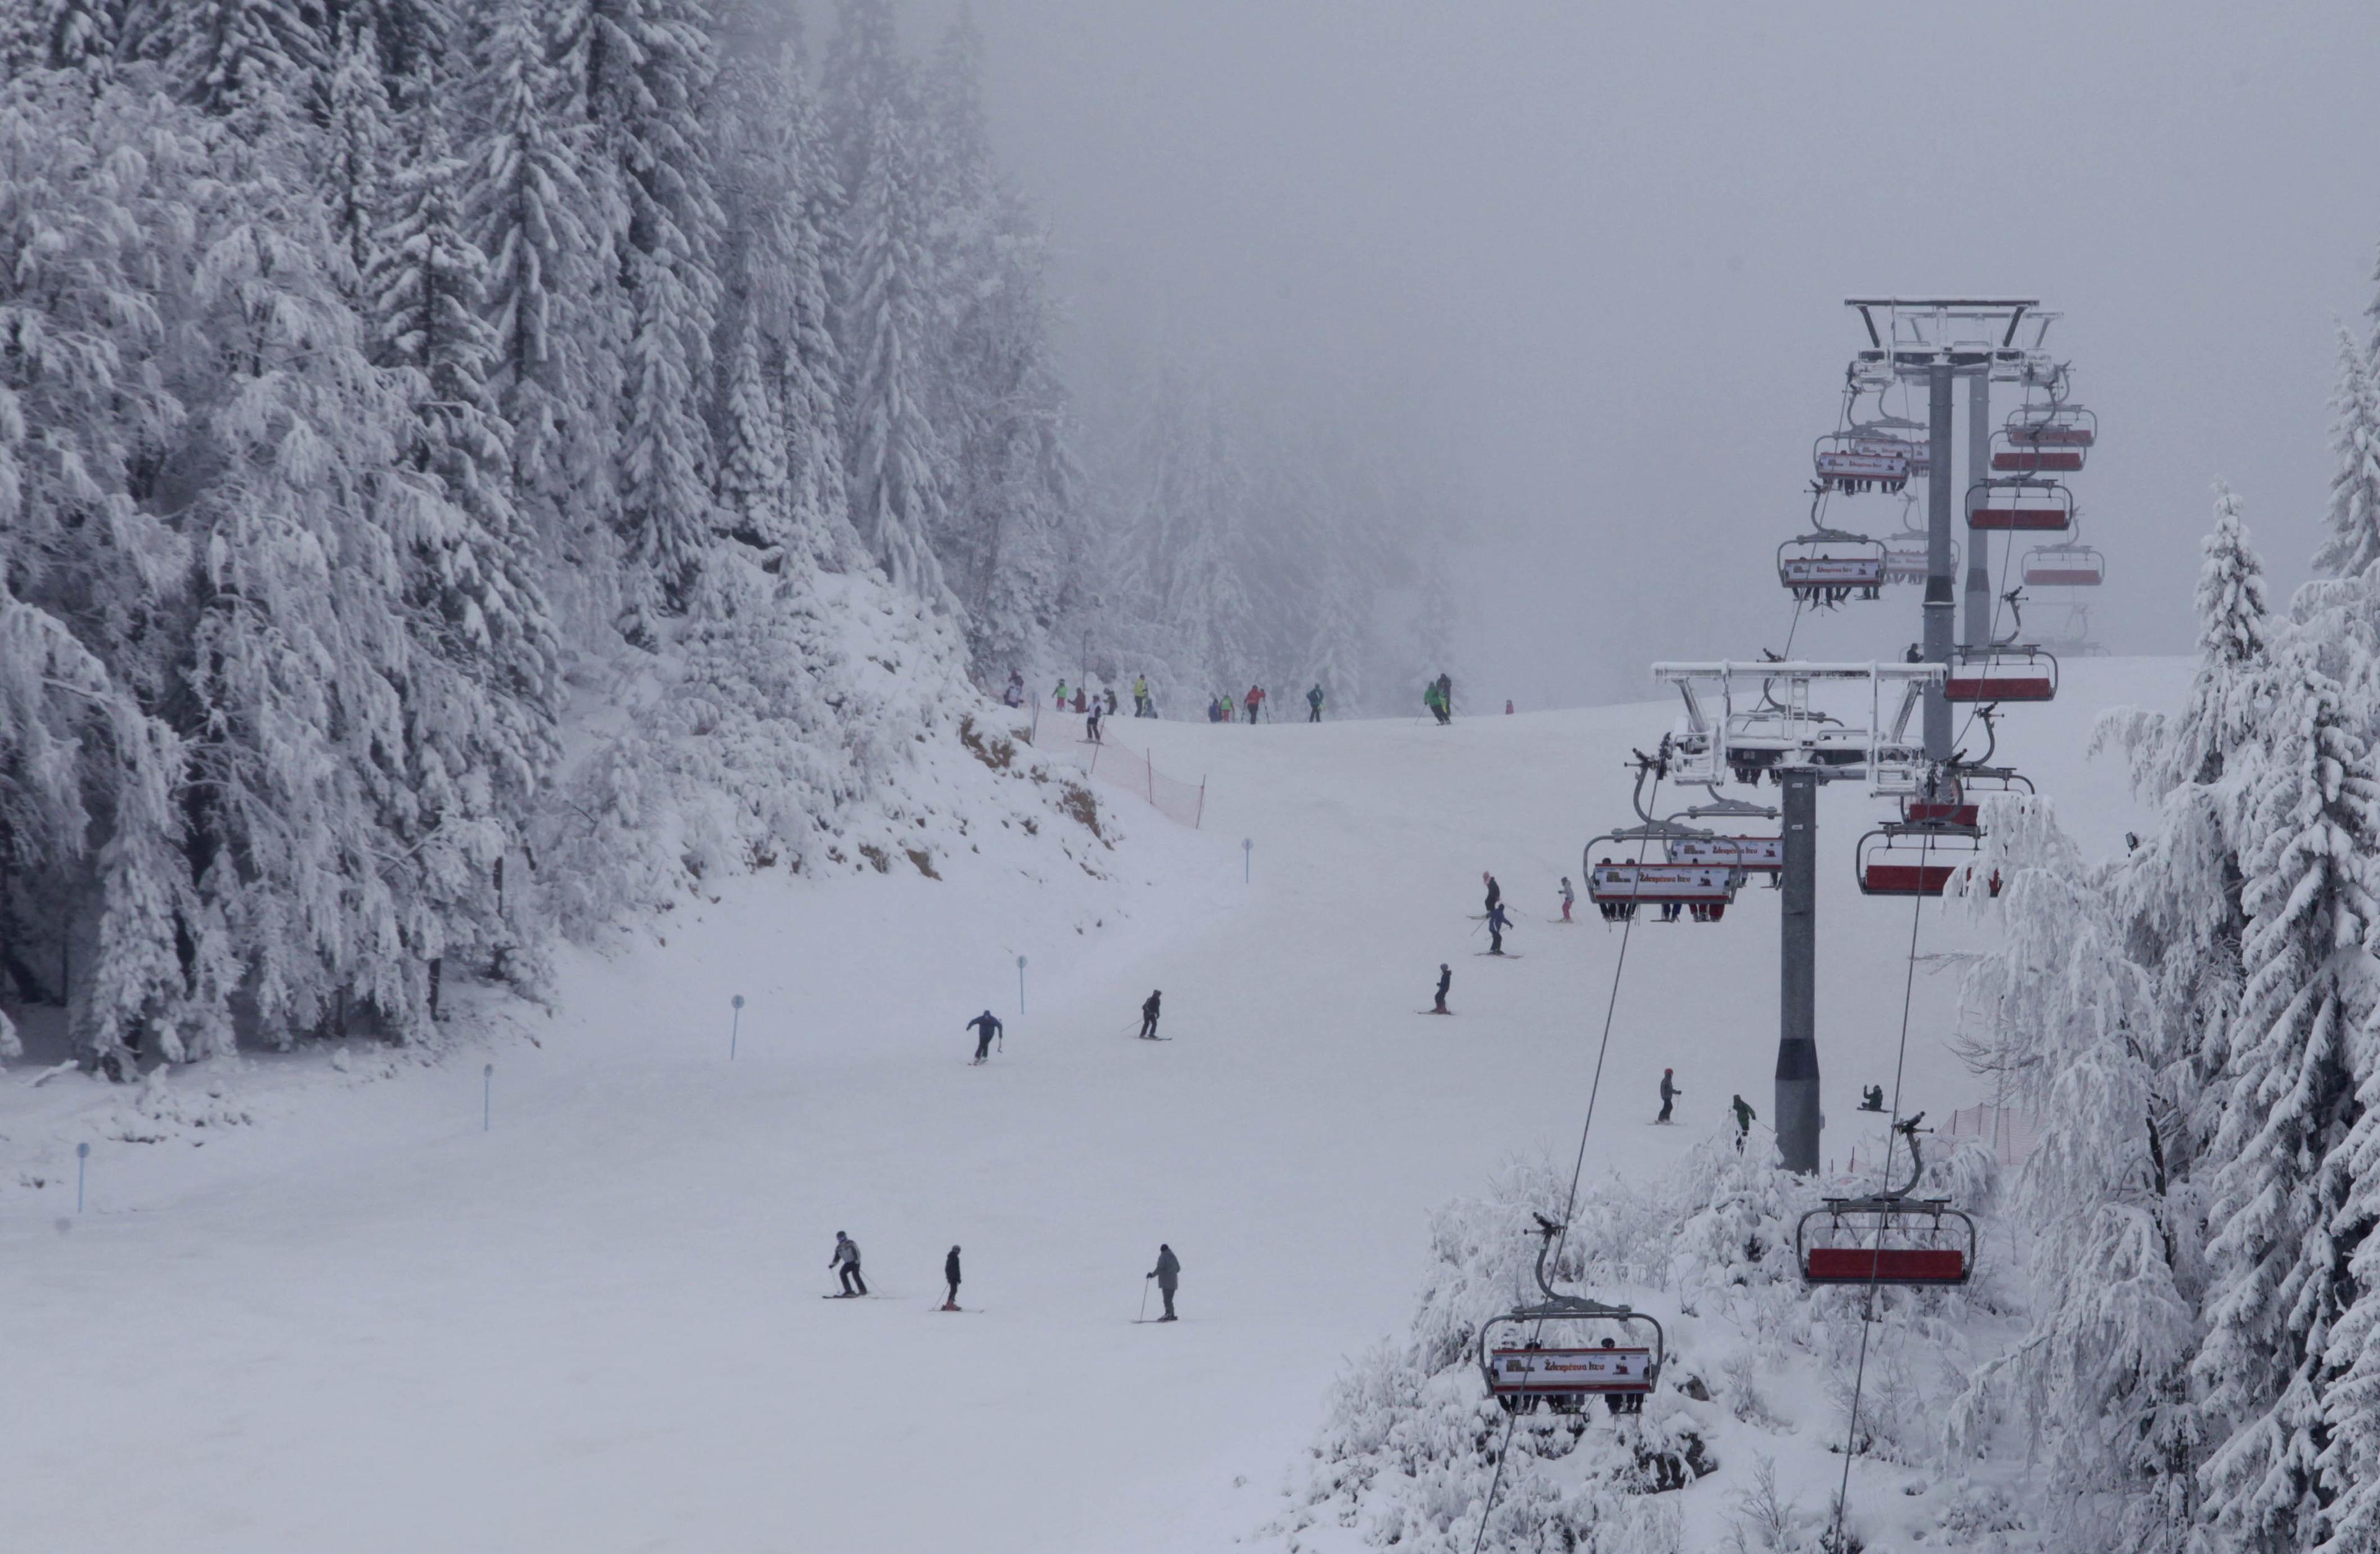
(1747, 720)
(1935, 341)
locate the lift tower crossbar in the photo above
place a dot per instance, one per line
(1744, 719)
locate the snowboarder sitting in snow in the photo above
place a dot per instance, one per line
(846, 1259)
(986, 1028)
(1148, 1016)
(1670, 1094)
(1498, 921)
(951, 1277)
(1445, 980)
(1167, 1274)
(1871, 1098)
(1744, 1116)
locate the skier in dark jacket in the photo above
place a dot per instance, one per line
(1498, 921)
(986, 1027)
(1871, 1098)
(1445, 980)
(1495, 890)
(1167, 1274)
(1670, 1094)
(1744, 1116)
(1148, 1016)
(951, 1277)
(847, 1260)
(1314, 705)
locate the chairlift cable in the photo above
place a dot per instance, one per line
(1577, 1171)
(1876, 1259)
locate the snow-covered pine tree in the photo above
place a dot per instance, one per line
(81, 34)
(864, 71)
(479, 702)
(760, 193)
(646, 65)
(415, 38)
(2282, 1217)
(237, 57)
(811, 393)
(895, 463)
(545, 238)
(360, 142)
(2068, 1019)
(2353, 543)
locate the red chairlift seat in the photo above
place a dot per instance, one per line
(1916, 857)
(1857, 1236)
(2064, 567)
(2037, 460)
(2052, 426)
(2020, 507)
(2001, 674)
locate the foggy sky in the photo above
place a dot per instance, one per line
(1602, 250)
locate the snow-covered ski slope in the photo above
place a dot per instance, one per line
(364, 1324)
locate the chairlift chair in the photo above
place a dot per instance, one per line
(1619, 886)
(2003, 672)
(1521, 1371)
(1851, 463)
(1745, 855)
(2019, 506)
(2063, 566)
(1888, 1237)
(2013, 455)
(1828, 566)
(2054, 425)
(1917, 857)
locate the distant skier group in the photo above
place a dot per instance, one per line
(845, 1263)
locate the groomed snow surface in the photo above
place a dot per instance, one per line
(324, 1310)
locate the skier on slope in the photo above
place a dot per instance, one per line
(1014, 695)
(1495, 890)
(1445, 686)
(1167, 1274)
(1141, 696)
(951, 1277)
(1670, 1094)
(1744, 1116)
(1314, 705)
(1254, 701)
(1498, 921)
(1112, 701)
(847, 1260)
(1445, 980)
(986, 1027)
(1434, 702)
(1059, 700)
(1148, 1016)
(1568, 896)
(1091, 723)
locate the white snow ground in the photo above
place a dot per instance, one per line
(363, 1324)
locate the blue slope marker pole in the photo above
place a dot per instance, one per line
(82, 1161)
(736, 1030)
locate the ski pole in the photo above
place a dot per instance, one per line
(1144, 1303)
